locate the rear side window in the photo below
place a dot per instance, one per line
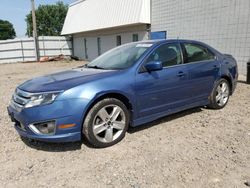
(168, 54)
(195, 53)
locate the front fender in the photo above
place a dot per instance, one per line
(92, 91)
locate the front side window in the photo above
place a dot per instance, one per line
(168, 54)
(195, 53)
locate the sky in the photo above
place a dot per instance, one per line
(15, 11)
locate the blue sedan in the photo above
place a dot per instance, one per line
(127, 86)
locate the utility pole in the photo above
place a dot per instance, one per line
(36, 43)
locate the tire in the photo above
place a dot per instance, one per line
(106, 123)
(220, 94)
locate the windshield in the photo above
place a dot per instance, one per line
(121, 57)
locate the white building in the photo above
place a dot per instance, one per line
(223, 24)
(99, 25)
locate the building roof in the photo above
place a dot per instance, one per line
(90, 15)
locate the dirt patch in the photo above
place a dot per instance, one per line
(194, 148)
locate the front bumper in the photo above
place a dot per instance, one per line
(69, 137)
(62, 112)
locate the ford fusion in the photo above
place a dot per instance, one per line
(127, 86)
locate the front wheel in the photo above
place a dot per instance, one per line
(220, 94)
(106, 123)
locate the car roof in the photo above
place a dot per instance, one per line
(161, 41)
(170, 40)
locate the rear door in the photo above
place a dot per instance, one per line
(203, 69)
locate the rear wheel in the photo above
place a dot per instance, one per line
(220, 94)
(106, 123)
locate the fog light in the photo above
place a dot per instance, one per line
(44, 128)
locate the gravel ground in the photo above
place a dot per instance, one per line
(194, 148)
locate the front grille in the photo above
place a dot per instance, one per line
(21, 98)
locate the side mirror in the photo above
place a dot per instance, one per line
(154, 66)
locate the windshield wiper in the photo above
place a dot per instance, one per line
(94, 67)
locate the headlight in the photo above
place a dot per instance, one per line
(41, 98)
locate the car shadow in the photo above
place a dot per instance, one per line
(242, 81)
(165, 119)
(52, 147)
(72, 146)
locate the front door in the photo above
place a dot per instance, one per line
(166, 89)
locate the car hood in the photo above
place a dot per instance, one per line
(64, 80)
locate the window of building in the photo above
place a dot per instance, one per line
(99, 46)
(118, 40)
(135, 37)
(158, 35)
(168, 54)
(195, 53)
(85, 48)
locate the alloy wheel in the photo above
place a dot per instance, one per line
(109, 123)
(222, 93)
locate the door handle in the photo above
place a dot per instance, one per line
(180, 74)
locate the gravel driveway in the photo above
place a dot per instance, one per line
(194, 148)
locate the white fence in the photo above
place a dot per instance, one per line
(21, 50)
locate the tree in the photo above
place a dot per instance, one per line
(49, 19)
(7, 30)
